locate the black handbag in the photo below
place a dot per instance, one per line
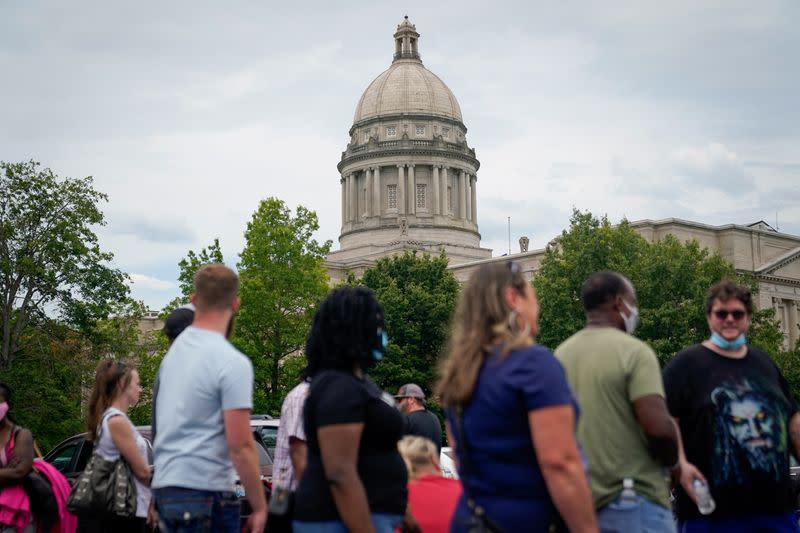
(42, 499)
(104, 488)
(479, 521)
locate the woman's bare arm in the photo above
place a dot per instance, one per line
(552, 432)
(338, 444)
(125, 441)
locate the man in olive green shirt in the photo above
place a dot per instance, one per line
(624, 428)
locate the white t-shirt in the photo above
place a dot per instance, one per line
(106, 449)
(201, 376)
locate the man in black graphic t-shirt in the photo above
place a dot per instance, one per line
(739, 423)
(418, 420)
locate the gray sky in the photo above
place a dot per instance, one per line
(189, 113)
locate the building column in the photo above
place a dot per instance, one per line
(462, 195)
(354, 197)
(792, 325)
(377, 200)
(401, 190)
(344, 200)
(474, 182)
(349, 186)
(435, 198)
(444, 181)
(368, 192)
(412, 194)
(468, 185)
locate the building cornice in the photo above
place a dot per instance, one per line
(394, 117)
(405, 147)
(415, 226)
(711, 227)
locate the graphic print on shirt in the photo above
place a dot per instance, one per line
(750, 439)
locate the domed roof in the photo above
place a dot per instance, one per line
(407, 86)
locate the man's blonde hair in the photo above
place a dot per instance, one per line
(215, 288)
(417, 452)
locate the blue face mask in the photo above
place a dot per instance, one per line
(720, 342)
(378, 354)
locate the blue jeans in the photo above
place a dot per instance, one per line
(761, 523)
(196, 511)
(635, 516)
(382, 522)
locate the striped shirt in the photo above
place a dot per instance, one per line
(291, 425)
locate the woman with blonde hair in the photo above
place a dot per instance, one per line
(510, 413)
(116, 389)
(432, 497)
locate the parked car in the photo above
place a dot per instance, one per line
(70, 458)
(267, 429)
(447, 460)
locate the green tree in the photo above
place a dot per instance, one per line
(671, 279)
(588, 245)
(50, 259)
(188, 267)
(282, 280)
(418, 295)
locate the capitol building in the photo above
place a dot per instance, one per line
(409, 181)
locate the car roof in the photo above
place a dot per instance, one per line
(265, 423)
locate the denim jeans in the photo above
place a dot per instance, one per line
(382, 522)
(196, 511)
(635, 516)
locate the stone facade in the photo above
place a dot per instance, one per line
(408, 177)
(408, 180)
(773, 257)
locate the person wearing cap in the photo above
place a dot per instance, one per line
(418, 420)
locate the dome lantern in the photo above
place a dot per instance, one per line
(406, 41)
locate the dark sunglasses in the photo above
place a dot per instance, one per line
(722, 314)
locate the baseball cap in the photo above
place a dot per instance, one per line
(178, 320)
(410, 390)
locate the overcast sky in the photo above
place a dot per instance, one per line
(187, 113)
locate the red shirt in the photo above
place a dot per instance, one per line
(432, 500)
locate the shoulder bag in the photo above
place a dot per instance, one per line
(479, 522)
(104, 487)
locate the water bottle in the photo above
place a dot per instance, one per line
(628, 494)
(705, 503)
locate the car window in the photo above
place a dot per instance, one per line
(62, 459)
(263, 457)
(269, 436)
(83, 458)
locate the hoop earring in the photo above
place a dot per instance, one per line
(513, 327)
(512, 323)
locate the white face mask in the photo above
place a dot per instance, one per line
(632, 319)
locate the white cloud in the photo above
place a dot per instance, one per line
(144, 282)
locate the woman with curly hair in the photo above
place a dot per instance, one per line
(355, 479)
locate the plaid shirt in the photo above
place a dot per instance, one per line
(291, 425)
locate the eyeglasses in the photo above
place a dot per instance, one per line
(722, 314)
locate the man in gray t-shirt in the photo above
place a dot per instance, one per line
(204, 401)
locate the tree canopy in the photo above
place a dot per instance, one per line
(282, 280)
(418, 295)
(50, 259)
(671, 278)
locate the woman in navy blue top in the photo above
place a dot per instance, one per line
(520, 459)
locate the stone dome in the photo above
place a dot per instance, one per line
(407, 87)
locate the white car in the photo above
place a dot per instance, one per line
(447, 460)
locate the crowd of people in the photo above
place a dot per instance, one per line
(591, 437)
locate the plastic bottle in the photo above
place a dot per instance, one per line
(705, 503)
(628, 494)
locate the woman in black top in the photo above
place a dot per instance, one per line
(355, 479)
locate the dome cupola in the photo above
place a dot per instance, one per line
(408, 175)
